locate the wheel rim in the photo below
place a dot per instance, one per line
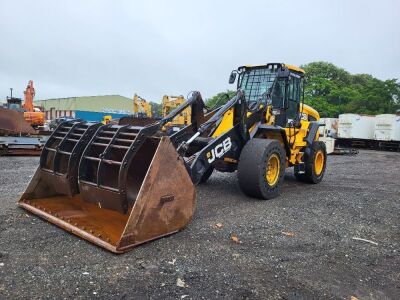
(319, 162)
(273, 166)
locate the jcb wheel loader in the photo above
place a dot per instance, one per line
(121, 185)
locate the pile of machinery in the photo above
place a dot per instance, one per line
(21, 125)
(120, 185)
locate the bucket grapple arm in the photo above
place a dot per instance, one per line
(115, 185)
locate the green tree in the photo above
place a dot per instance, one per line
(220, 98)
(156, 109)
(332, 91)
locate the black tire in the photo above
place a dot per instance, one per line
(310, 175)
(252, 168)
(207, 174)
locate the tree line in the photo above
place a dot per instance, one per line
(332, 91)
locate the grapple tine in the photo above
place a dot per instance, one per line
(61, 153)
(105, 172)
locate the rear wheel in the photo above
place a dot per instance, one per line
(314, 164)
(261, 168)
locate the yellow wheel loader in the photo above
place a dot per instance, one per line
(122, 185)
(106, 119)
(169, 103)
(141, 108)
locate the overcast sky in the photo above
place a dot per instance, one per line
(78, 48)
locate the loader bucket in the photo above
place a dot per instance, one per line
(131, 188)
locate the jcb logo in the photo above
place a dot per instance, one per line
(219, 150)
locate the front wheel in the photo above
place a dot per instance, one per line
(261, 168)
(314, 164)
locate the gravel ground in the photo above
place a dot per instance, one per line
(298, 246)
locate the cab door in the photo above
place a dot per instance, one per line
(286, 99)
(293, 98)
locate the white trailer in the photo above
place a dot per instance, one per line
(327, 133)
(353, 126)
(330, 127)
(387, 127)
(387, 131)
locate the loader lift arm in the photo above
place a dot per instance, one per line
(203, 150)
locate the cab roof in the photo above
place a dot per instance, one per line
(290, 67)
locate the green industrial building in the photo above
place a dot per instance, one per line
(89, 108)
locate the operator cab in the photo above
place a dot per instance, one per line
(14, 103)
(274, 84)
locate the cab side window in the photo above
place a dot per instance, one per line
(294, 91)
(278, 94)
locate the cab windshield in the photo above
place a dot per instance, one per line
(256, 82)
(14, 106)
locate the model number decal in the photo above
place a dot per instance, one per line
(219, 150)
(304, 116)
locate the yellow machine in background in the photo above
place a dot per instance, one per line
(169, 103)
(141, 108)
(106, 119)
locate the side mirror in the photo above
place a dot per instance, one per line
(232, 77)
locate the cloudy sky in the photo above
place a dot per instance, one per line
(95, 47)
